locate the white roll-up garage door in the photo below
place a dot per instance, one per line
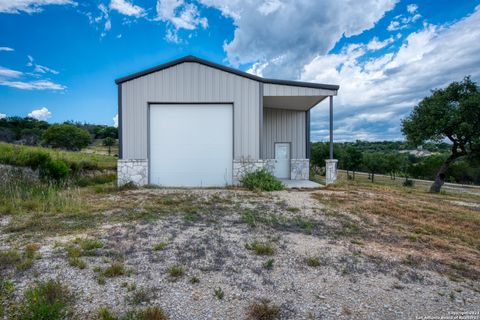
(191, 145)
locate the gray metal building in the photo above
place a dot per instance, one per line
(191, 122)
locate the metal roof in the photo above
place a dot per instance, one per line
(191, 58)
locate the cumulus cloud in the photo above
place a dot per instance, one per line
(127, 8)
(40, 114)
(115, 121)
(29, 6)
(375, 93)
(179, 15)
(6, 49)
(294, 31)
(2, 115)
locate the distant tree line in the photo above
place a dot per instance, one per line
(68, 135)
(386, 157)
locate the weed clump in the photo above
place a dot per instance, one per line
(261, 248)
(263, 310)
(176, 271)
(46, 300)
(262, 180)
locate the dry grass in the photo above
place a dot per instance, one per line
(426, 225)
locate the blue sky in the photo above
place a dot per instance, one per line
(59, 58)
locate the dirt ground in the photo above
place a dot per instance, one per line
(346, 252)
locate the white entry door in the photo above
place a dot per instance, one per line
(191, 145)
(282, 160)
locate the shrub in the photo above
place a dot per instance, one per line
(54, 170)
(46, 300)
(261, 179)
(66, 136)
(34, 158)
(408, 183)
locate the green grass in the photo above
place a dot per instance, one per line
(263, 310)
(115, 269)
(268, 264)
(159, 246)
(20, 260)
(313, 262)
(194, 280)
(46, 300)
(17, 155)
(176, 271)
(7, 289)
(261, 248)
(77, 263)
(218, 293)
(149, 313)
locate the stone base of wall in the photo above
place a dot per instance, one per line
(244, 166)
(299, 169)
(135, 171)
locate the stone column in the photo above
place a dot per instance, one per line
(330, 171)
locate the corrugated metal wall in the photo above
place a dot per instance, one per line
(186, 83)
(283, 126)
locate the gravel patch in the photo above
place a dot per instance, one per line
(349, 281)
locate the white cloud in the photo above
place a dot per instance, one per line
(6, 49)
(375, 44)
(127, 8)
(39, 68)
(9, 73)
(180, 15)
(412, 8)
(172, 36)
(33, 85)
(404, 21)
(3, 115)
(376, 93)
(294, 31)
(104, 16)
(29, 6)
(115, 121)
(40, 114)
(270, 6)
(42, 69)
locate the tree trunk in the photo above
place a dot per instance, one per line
(440, 178)
(373, 176)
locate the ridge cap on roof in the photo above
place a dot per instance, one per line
(192, 58)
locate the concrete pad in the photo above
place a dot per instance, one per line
(300, 184)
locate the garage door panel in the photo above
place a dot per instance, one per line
(191, 145)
